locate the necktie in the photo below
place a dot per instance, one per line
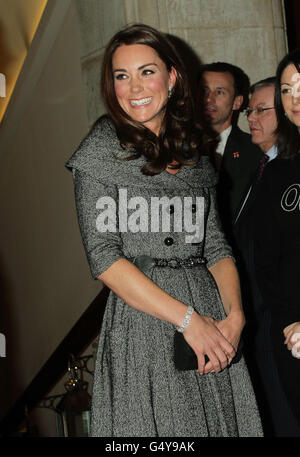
(262, 165)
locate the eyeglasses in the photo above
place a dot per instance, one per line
(258, 112)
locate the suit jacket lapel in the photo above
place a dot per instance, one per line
(233, 145)
(250, 200)
(231, 154)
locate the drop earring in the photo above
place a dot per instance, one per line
(169, 91)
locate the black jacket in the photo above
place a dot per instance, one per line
(238, 167)
(277, 259)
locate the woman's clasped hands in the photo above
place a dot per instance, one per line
(292, 338)
(219, 341)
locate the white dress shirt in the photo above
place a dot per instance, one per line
(223, 140)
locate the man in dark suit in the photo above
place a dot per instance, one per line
(223, 92)
(276, 416)
(263, 123)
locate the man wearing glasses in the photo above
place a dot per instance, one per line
(262, 117)
(223, 91)
(257, 344)
(262, 123)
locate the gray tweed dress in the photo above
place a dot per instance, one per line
(137, 391)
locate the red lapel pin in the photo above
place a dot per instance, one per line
(236, 155)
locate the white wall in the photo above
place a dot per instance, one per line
(250, 34)
(45, 279)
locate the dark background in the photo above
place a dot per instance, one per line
(292, 12)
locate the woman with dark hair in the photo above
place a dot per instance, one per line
(146, 208)
(277, 244)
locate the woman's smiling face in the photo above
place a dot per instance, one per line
(290, 94)
(141, 82)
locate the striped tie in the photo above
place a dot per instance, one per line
(262, 164)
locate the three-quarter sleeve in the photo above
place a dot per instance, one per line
(101, 240)
(216, 246)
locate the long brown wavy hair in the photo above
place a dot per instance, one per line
(179, 139)
(288, 135)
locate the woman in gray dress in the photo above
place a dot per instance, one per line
(146, 208)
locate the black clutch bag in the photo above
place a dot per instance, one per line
(186, 359)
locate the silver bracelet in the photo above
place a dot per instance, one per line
(187, 319)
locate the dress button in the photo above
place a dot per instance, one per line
(171, 209)
(169, 241)
(194, 208)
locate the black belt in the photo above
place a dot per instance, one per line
(145, 262)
